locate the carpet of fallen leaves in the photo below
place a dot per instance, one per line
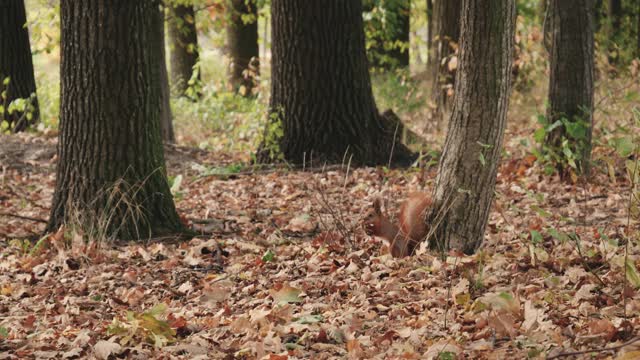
(298, 278)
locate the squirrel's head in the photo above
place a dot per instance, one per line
(372, 221)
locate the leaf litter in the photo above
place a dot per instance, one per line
(300, 279)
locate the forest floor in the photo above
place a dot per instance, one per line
(300, 279)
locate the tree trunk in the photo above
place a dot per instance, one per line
(322, 107)
(111, 177)
(242, 46)
(17, 65)
(571, 80)
(166, 116)
(430, 28)
(446, 15)
(615, 18)
(467, 171)
(184, 49)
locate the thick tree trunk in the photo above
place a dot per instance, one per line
(571, 79)
(446, 15)
(17, 65)
(184, 49)
(242, 46)
(321, 98)
(166, 116)
(467, 171)
(111, 174)
(430, 28)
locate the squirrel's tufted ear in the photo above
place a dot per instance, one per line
(377, 206)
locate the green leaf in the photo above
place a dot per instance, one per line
(542, 212)
(177, 181)
(4, 332)
(268, 256)
(624, 146)
(560, 236)
(554, 125)
(632, 273)
(539, 135)
(536, 237)
(447, 355)
(157, 310)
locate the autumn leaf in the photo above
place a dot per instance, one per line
(286, 294)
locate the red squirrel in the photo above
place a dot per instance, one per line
(411, 227)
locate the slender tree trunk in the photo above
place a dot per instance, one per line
(17, 65)
(242, 46)
(638, 31)
(571, 79)
(467, 171)
(184, 49)
(615, 17)
(111, 174)
(446, 15)
(430, 28)
(322, 106)
(166, 116)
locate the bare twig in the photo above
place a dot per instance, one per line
(632, 184)
(24, 217)
(335, 212)
(612, 348)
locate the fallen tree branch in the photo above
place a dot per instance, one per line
(613, 348)
(319, 169)
(24, 217)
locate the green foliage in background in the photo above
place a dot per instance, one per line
(382, 25)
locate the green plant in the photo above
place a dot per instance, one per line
(194, 90)
(569, 146)
(398, 91)
(143, 327)
(23, 106)
(273, 133)
(27, 248)
(219, 120)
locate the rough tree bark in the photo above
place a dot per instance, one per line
(16, 63)
(242, 46)
(572, 76)
(321, 94)
(166, 116)
(184, 51)
(429, 31)
(467, 171)
(111, 173)
(446, 16)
